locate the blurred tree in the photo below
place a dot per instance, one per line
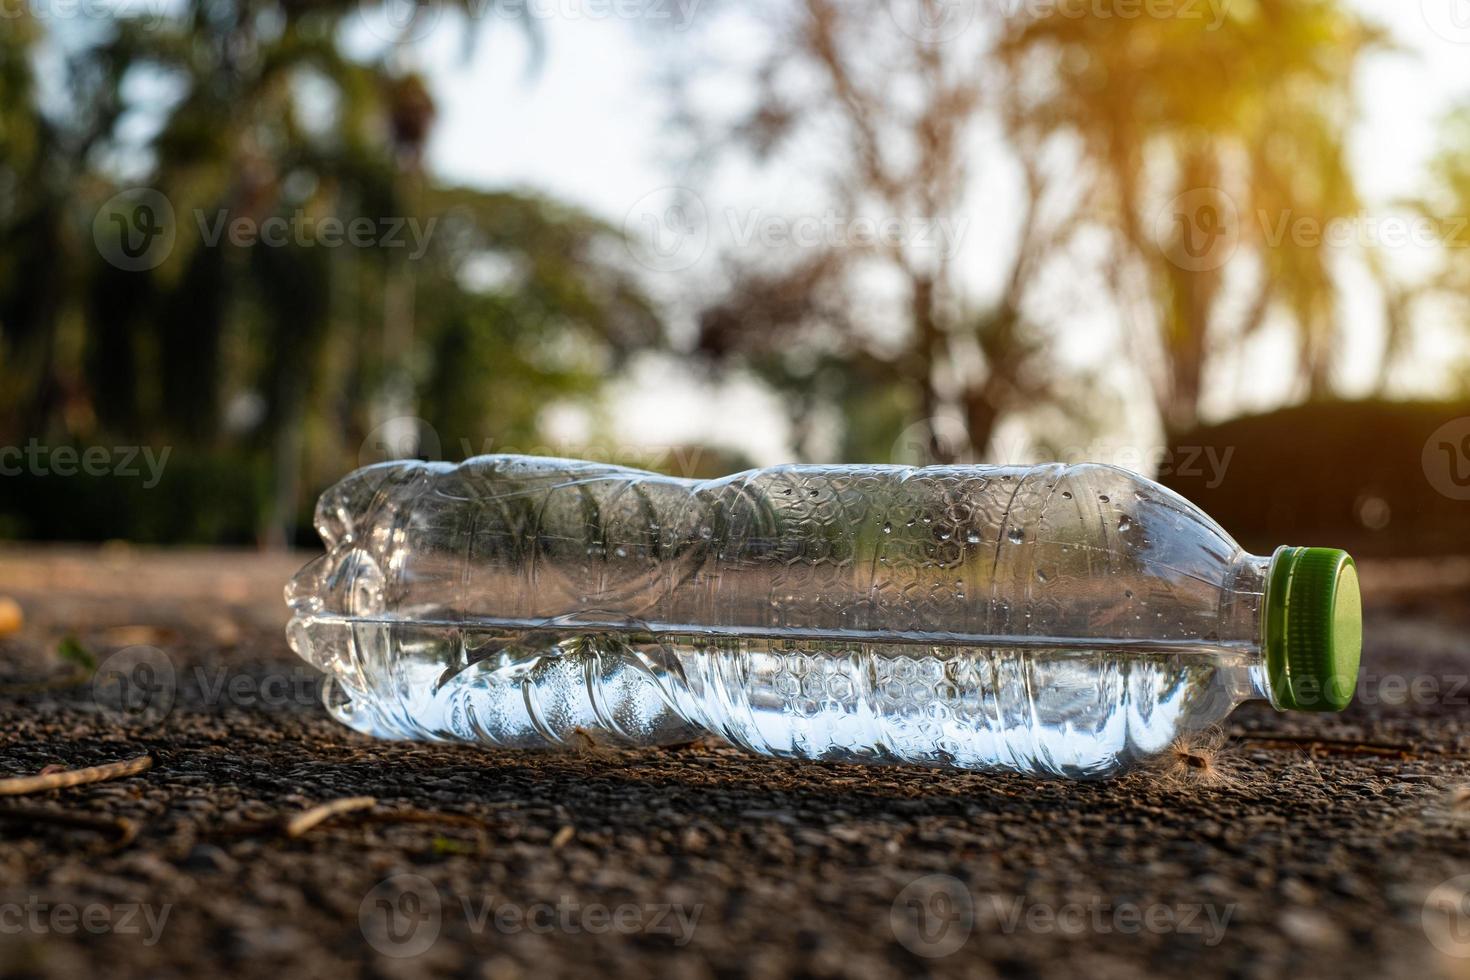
(33, 256)
(896, 114)
(1446, 206)
(289, 348)
(1209, 144)
(521, 309)
(1196, 152)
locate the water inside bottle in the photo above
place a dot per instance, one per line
(1065, 709)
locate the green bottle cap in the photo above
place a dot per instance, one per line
(1314, 628)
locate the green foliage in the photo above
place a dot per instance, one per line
(272, 358)
(71, 651)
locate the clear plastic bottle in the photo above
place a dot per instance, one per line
(1055, 620)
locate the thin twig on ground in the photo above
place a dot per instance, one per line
(357, 809)
(66, 778)
(303, 822)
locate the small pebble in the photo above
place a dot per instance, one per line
(11, 616)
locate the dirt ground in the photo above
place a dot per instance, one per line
(1302, 846)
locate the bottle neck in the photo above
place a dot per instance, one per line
(1244, 614)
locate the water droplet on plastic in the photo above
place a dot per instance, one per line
(1041, 576)
(1066, 495)
(1125, 523)
(1016, 535)
(887, 528)
(973, 537)
(1103, 497)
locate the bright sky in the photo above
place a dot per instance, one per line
(588, 127)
